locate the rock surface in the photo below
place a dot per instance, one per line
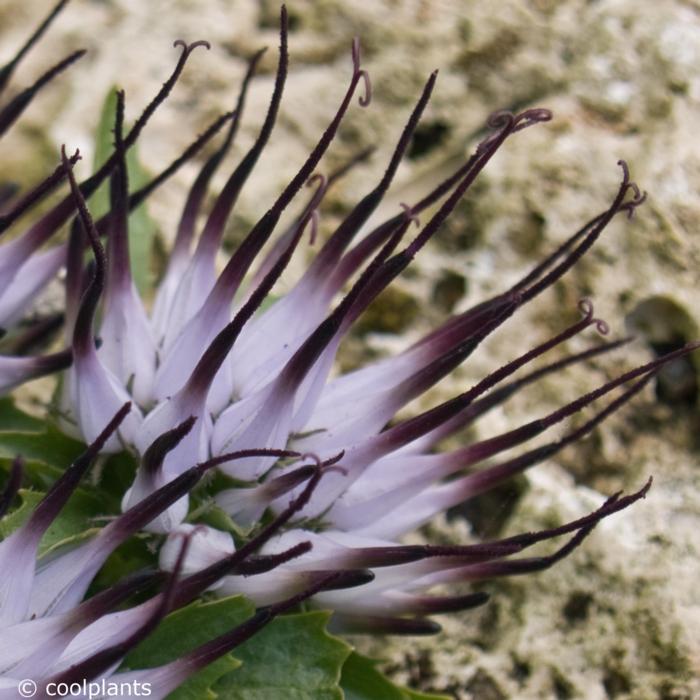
(620, 618)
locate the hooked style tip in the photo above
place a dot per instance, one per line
(188, 48)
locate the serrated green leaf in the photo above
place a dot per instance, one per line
(18, 516)
(200, 685)
(293, 658)
(362, 681)
(186, 629)
(141, 226)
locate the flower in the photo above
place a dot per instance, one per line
(320, 476)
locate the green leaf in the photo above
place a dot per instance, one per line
(49, 446)
(362, 681)
(214, 516)
(46, 454)
(186, 629)
(200, 685)
(293, 658)
(115, 476)
(75, 521)
(18, 516)
(141, 226)
(134, 554)
(13, 419)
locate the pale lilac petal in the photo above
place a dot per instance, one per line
(206, 547)
(387, 484)
(103, 633)
(245, 505)
(337, 404)
(416, 511)
(187, 302)
(310, 389)
(193, 447)
(17, 566)
(127, 348)
(29, 648)
(60, 583)
(96, 395)
(9, 688)
(178, 360)
(267, 342)
(20, 642)
(335, 550)
(17, 370)
(220, 391)
(165, 297)
(355, 461)
(261, 421)
(190, 449)
(271, 587)
(20, 285)
(146, 484)
(160, 681)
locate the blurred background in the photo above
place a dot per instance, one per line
(620, 619)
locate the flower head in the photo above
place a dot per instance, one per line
(319, 475)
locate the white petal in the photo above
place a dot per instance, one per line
(261, 421)
(192, 290)
(267, 588)
(179, 358)
(20, 285)
(168, 414)
(17, 566)
(97, 396)
(61, 582)
(144, 486)
(103, 633)
(128, 349)
(207, 546)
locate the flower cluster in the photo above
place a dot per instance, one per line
(316, 475)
